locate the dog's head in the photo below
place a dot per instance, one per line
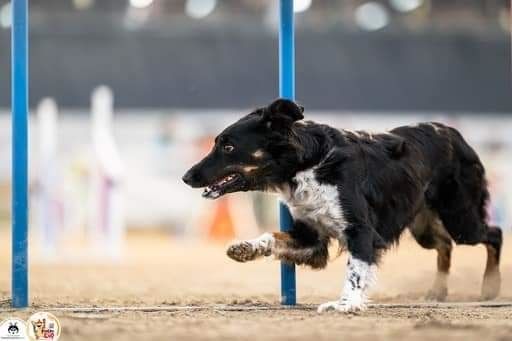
(255, 153)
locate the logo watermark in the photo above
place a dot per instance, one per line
(13, 329)
(43, 326)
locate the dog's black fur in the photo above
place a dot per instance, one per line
(384, 181)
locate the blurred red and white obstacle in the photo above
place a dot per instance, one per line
(49, 205)
(79, 204)
(106, 225)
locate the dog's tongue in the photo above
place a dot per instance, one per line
(210, 193)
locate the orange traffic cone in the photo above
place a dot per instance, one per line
(221, 226)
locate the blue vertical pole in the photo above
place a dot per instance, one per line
(19, 92)
(286, 90)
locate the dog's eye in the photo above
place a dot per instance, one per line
(228, 148)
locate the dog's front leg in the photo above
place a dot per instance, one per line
(284, 246)
(359, 277)
(360, 274)
(302, 245)
(251, 249)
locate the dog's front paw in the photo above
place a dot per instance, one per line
(242, 252)
(341, 305)
(251, 249)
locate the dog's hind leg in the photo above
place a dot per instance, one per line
(302, 245)
(492, 278)
(462, 208)
(460, 198)
(429, 232)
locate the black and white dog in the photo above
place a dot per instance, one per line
(358, 188)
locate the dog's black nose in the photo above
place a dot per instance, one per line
(191, 178)
(187, 178)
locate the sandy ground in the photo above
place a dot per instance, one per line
(160, 271)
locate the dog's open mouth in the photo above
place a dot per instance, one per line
(230, 183)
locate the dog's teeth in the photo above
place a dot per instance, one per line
(210, 193)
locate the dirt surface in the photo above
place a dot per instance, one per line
(161, 271)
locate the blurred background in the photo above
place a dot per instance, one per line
(125, 95)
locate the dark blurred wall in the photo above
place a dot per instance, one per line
(219, 68)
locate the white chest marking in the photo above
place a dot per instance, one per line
(316, 204)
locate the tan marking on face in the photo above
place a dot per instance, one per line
(248, 169)
(258, 154)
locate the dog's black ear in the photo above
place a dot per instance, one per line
(283, 112)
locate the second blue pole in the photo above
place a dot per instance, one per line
(287, 90)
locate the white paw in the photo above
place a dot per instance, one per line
(342, 305)
(242, 252)
(251, 249)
